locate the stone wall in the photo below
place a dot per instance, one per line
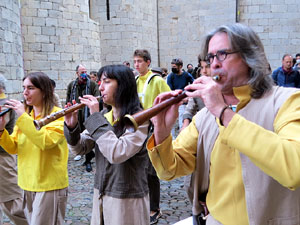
(182, 25)
(132, 24)
(11, 62)
(57, 36)
(277, 22)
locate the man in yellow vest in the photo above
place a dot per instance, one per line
(244, 145)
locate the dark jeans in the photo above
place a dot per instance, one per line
(197, 220)
(89, 156)
(154, 192)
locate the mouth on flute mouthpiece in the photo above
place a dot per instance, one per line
(216, 77)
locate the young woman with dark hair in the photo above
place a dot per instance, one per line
(120, 189)
(42, 154)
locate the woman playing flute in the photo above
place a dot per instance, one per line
(42, 154)
(120, 189)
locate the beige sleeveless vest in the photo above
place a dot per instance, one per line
(268, 202)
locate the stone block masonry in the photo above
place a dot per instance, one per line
(11, 51)
(55, 36)
(182, 25)
(59, 37)
(277, 24)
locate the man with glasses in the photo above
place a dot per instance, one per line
(83, 85)
(243, 147)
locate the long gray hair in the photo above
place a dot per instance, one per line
(244, 40)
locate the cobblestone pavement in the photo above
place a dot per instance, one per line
(174, 203)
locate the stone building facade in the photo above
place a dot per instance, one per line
(57, 36)
(54, 36)
(11, 53)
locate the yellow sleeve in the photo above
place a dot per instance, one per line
(9, 142)
(276, 153)
(172, 160)
(47, 137)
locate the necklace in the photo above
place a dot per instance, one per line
(232, 107)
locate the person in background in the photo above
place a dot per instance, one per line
(126, 63)
(195, 104)
(244, 146)
(42, 154)
(285, 75)
(179, 79)
(56, 96)
(121, 194)
(190, 68)
(157, 70)
(149, 85)
(11, 196)
(93, 76)
(297, 63)
(77, 88)
(164, 73)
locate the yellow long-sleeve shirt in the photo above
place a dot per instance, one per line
(156, 86)
(42, 154)
(275, 153)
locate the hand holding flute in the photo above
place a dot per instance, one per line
(133, 121)
(71, 119)
(164, 121)
(15, 105)
(9, 105)
(204, 87)
(92, 102)
(209, 90)
(69, 109)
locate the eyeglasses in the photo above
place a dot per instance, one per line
(220, 55)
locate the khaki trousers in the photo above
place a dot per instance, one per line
(14, 210)
(109, 211)
(47, 207)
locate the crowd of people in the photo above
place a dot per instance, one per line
(238, 144)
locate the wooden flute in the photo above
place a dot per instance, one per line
(54, 116)
(134, 121)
